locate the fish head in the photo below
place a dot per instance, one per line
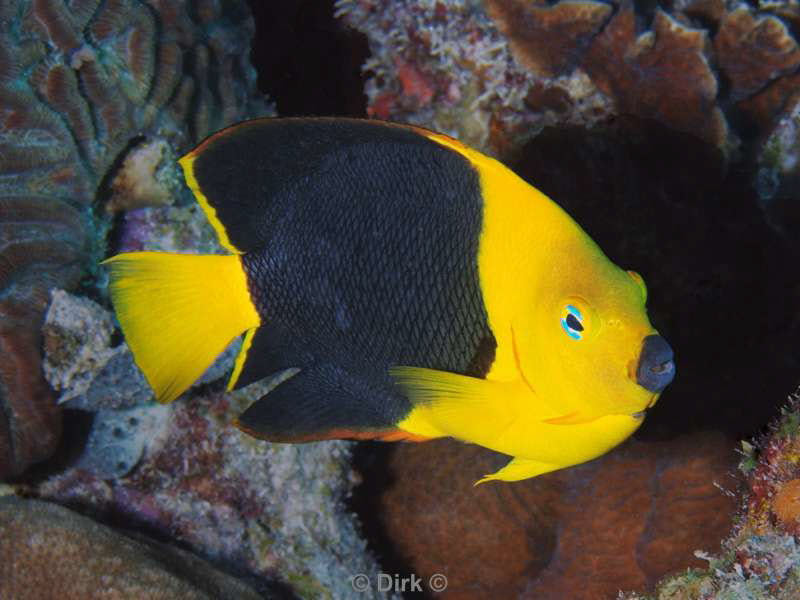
(593, 351)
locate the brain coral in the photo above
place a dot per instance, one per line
(623, 520)
(82, 82)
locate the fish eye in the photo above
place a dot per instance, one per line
(572, 322)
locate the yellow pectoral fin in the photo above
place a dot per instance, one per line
(464, 407)
(519, 468)
(573, 418)
(429, 385)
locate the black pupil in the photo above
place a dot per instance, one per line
(573, 323)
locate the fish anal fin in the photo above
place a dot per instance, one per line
(265, 351)
(518, 469)
(324, 402)
(382, 435)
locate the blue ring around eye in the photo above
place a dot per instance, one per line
(575, 335)
(575, 312)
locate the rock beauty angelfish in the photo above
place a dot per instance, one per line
(421, 288)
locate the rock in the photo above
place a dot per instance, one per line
(46, 549)
(77, 343)
(89, 373)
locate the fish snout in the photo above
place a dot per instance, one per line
(656, 365)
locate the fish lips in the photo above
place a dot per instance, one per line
(656, 368)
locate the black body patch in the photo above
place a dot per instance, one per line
(360, 243)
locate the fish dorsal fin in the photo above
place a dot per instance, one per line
(519, 468)
(237, 173)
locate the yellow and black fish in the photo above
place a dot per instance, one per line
(421, 288)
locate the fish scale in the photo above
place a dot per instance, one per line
(399, 322)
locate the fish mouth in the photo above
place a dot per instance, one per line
(656, 367)
(640, 414)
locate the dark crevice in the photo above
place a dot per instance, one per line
(308, 62)
(372, 461)
(76, 426)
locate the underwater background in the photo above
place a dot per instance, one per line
(670, 131)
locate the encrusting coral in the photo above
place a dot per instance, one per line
(761, 558)
(662, 74)
(704, 67)
(441, 65)
(83, 84)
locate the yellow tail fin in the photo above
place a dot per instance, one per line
(178, 312)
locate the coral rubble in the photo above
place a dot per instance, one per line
(86, 87)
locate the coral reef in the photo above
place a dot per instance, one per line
(80, 362)
(753, 51)
(274, 510)
(548, 39)
(722, 72)
(93, 95)
(441, 65)
(624, 520)
(183, 471)
(662, 74)
(777, 179)
(45, 547)
(761, 558)
(77, 343)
